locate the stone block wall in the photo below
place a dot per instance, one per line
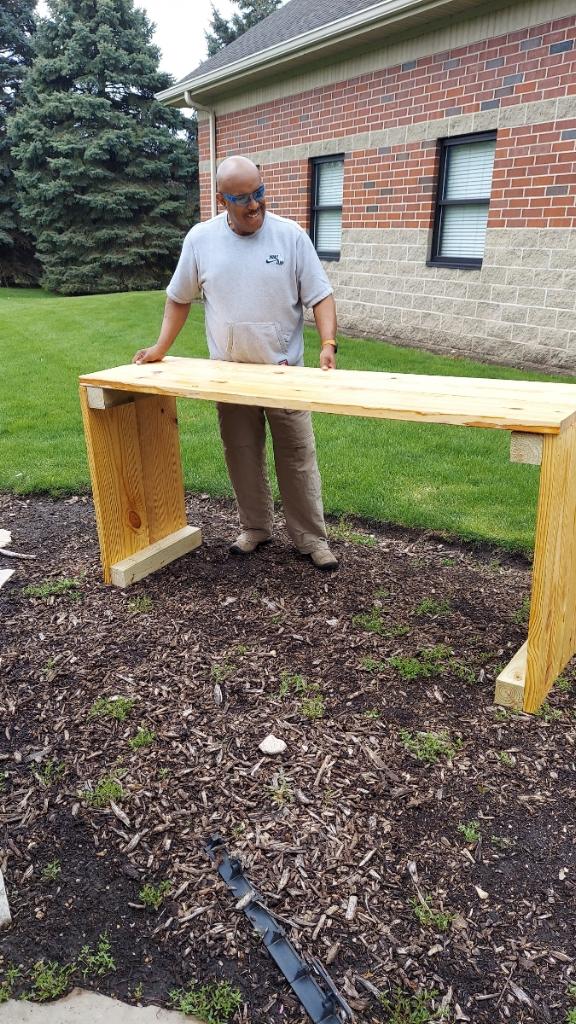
(518, 309)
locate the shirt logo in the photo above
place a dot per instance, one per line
(275, 258)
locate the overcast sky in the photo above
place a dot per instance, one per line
(179, 33)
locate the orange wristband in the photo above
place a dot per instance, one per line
(330, 342)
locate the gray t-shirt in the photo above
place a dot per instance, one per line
(255, 288)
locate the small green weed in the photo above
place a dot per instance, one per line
(240, 650)
(506, 759)
(138, 992)
(51, 871)
(438, 920)
(50, 980)
(462, 671)
(289, 682)
(219, 672)
(106, 790)
(54, 588)
(522, 614)
(50, 772)
(117, 708)
(548, 713)
(11, 976)
(281, 789)
(571, 1015)
(372, 713)
(430, 606)
(4, 776)
(471, 831)
(448, 561)
(344, 531)
(430, 746)
(313, 707)
(372, 665)
(411, 1008)
(95, 964)
(427, 663)
(143, 738)
(371, 621)
(141, 605)
(214, 1003)
(563, 684)
(152, 896)
(501, 842)
(398, 630)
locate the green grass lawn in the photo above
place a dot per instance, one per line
(450, 479)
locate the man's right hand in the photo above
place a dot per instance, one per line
(148, 355)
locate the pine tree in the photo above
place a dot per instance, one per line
(103, 168)
(224, 32)
(17, 264)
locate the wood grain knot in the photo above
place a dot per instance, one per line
(134, 520)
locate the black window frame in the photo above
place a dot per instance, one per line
(315, 207)
(462, 262)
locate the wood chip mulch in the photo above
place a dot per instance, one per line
(401, 866)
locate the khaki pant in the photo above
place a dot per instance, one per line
(243, 432)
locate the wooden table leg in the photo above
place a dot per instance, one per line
(134, 456)
(551, 643)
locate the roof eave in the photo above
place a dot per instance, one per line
(346, 32)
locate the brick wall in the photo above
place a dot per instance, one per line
(521, 67)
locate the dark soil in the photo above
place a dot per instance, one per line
(348, 833)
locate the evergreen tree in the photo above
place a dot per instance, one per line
(17, 264)
(224, 32)
(104, 170)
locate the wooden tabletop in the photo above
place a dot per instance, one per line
(533, 406)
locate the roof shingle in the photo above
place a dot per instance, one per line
(289, 21)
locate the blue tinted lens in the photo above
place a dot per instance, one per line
(245, 199)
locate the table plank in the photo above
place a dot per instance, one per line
(530, 406)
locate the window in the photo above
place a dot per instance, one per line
(464, 184)
(326, 212)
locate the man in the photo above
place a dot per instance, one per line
(257, 271)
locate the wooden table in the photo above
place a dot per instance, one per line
(133, 449)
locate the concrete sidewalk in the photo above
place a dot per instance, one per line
(81, 1007)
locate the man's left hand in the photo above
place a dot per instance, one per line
(327, 358)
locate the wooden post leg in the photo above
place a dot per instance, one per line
(552, 626)
(551, 641)
(134, 456)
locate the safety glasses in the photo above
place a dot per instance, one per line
(247, 197)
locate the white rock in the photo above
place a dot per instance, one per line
(272, 745)
(5, 918)
(5, 575)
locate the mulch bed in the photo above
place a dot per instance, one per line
(349, 835)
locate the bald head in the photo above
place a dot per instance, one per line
(234, 172)
(240, 192)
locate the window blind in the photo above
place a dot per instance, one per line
(330, 183)
(328, 230)
(463, 231)
(469, 172)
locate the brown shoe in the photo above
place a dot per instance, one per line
(248, 542)
(323, 558)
